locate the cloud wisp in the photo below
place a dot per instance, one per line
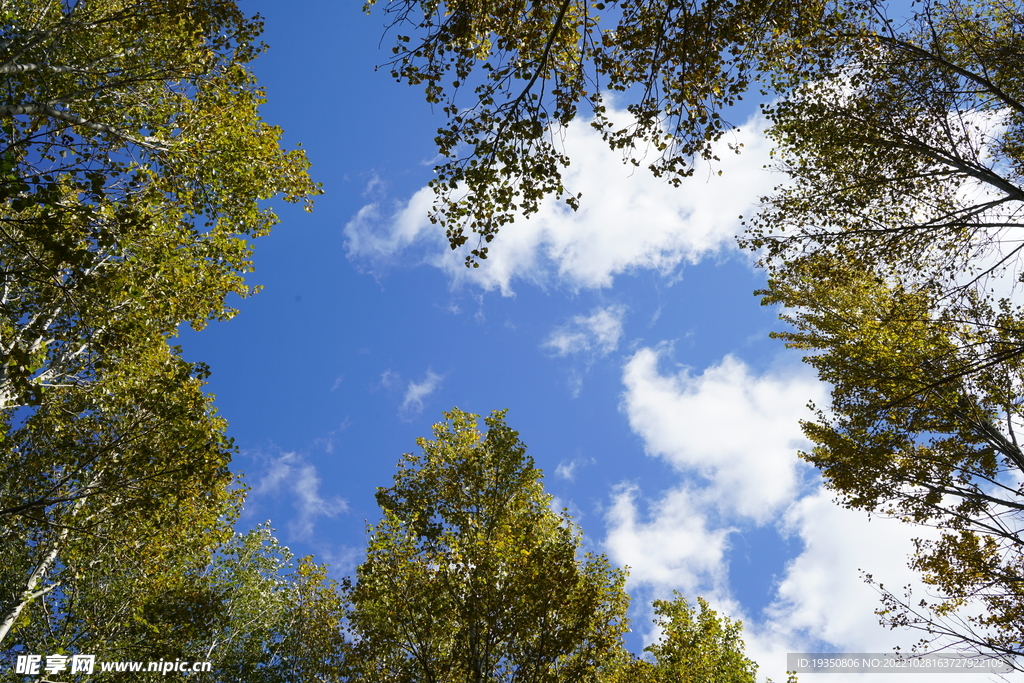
(597, 334)
(567, 468)
(292, 475)
(418, 392)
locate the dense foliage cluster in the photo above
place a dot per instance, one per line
(894, 247)
(472, 577)
(133, 165)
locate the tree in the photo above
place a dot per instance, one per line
(893, 249)
(133, 164)
(127, 474)
(532, 67)
(694, 646)
(248, 609)
(470, 576)
(277, 620)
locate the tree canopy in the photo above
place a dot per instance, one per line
(511, 74)
(133, 164)
(890, 242)
(695, 645)
(245, 606)
(893, 249)
(471, 576)
(122, 475)
(133, 169)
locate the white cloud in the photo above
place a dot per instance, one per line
(598, 333)
(417, 393)
(628, 219)
(823, 591)
(402, 225)
(389, 378)
(567, 469)
(823, 597)
(732, 434)
(672, 548)
(294, 475)
(738, 430)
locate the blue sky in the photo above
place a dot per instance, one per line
(624, 339)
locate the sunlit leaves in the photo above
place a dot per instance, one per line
(275, 620)
(511, 74)
(133, 169)
(472, 576)
(126, 209)
(893, 249)
(695, 645)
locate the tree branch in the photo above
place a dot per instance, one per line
(12, 110)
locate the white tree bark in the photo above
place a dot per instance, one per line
(31, 591)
